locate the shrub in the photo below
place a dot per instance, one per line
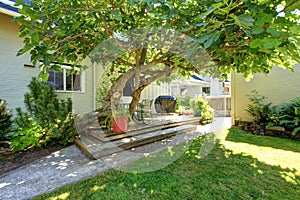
(262, 113)
(47, 121)
(5, 120)
(290, 116)
(201, 108)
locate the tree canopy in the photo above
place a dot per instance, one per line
(246, 36)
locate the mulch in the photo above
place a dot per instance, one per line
(9, 162)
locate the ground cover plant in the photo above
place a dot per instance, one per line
(240, 166)
(265, 114)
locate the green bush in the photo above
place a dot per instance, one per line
(48, 120)
(263, 114)
(290, 116)
(5, 120)
(286, 115)
(201, 108)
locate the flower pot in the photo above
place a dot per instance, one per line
(119, 124)
(197, 113)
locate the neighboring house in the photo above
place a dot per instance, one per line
(279, 86)
(198, 85)
(215, 91)
(16, 71)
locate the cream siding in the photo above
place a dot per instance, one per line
(154, 90)
(279, 86)
(14, 77)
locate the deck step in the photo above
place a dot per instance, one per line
(104, 136)
(95, 149)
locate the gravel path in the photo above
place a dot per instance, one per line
(70, 165)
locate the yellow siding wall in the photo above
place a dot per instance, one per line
(279, 86)
(14, 77)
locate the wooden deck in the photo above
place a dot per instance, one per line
(96, 142)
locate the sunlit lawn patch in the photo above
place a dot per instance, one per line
(241, 166)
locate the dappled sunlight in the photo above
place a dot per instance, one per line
(2, 185)
(268, 155)
(290, 177)
(97, 187)
(61, 196)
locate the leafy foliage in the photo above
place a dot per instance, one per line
(290, 116)
(201, 108)
(286, 115)
(5, 119)
(246, 36)
(258, 109)
(47, 121)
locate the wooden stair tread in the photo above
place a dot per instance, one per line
(105, 137)
(96, 149)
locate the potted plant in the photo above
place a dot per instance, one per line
(117, 121)
(197, 104)
(202, 109)
(207, 114)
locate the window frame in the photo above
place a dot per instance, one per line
(65, 68)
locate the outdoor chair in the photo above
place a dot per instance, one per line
(144, 109)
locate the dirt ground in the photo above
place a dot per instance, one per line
(13, 161)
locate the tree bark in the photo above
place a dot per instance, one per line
(144, 83)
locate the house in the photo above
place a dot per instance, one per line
(279, 86)
(215, 91)
(16, 71)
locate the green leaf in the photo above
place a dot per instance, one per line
(269, 43)
(263, 18)
(296, 130)
(256, 43)
(295, 29)
(257, 30)
(204, 37)
(35, 37)
(211, 9)
(273, 32)
(24, 50)
(213, 37)
(246, 19)
(44, 76)
(117, 15)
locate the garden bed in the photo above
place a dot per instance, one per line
(276, 131)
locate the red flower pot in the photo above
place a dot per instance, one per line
(119, 124)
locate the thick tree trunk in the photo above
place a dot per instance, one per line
(112, 99)
(144, 83)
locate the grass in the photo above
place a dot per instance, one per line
(240, 166)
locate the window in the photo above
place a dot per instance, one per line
(206, 90)
(183, 91)
(226, 90)
(65, 80)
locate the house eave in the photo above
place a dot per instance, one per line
(9, 12)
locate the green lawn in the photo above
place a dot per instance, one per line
(240, 166)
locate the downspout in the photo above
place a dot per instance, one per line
(94, 87)
(233, 98)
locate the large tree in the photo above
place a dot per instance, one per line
(246, 36)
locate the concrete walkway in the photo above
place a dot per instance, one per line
(70, 165)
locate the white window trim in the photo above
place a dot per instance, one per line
(82, 81)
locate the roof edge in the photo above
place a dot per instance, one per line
(9, 12)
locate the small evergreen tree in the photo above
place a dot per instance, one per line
(5, 120)
(48, 120)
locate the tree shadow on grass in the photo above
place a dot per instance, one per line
(222, 174)
(236, 135)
